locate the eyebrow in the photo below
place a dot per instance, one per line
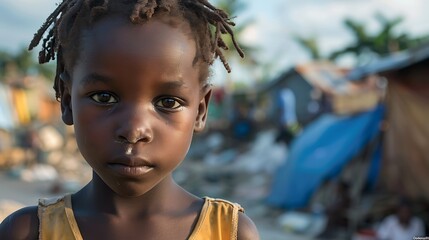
(175, 84)
(94, 78)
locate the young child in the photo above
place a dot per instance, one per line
(132, 79)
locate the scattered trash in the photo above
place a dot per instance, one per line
(222, 158)
(38, 172)
(295, 221)
(264, 155)
(308, 224)
(50, 139)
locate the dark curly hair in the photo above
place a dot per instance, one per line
(60, 34)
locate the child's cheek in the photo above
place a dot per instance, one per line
(91, 125)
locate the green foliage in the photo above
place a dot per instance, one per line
(5, 59)
(24, 63)
(232, 7)
(366, 45)
(47, 70)
(381, 43)
(310, 45)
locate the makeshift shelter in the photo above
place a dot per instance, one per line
(343, 96)
(405, 161)
(322, 87)
(328, 144)
(320, 153)
(306, 83)
(25, 104)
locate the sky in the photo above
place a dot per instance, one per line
(277, 21)
(273, 25)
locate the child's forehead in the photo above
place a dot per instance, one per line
(121, 50)
(115, 32)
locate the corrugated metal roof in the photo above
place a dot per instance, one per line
(324, 75)
(395, 61)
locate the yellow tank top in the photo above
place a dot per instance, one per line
(218, 220)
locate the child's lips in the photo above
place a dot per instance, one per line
(130, 167)
(129, 171)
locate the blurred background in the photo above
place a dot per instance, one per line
(320, 132)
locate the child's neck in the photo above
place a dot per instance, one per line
(98, 198)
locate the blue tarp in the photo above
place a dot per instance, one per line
(319, 153)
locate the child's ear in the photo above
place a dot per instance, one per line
(66, 105)
(200, 121)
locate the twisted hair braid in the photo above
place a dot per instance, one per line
(60, 32)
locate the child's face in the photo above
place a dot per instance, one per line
(135, 100)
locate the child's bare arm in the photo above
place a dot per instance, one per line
(22, 224)
(246, 228)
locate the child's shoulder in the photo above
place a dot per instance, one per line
(246, 229)
(22, 224)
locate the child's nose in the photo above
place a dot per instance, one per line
(135, 127)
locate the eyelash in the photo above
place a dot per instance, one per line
(177, 103)
(95, 97)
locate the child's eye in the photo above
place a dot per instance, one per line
(168, 103)
(104, 98)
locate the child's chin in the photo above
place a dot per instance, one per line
(130, 193)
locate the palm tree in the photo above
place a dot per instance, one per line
(310, 45)
(362, 44)
(385, 42)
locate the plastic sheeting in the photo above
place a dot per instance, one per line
(319, 153)
(7, 115)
